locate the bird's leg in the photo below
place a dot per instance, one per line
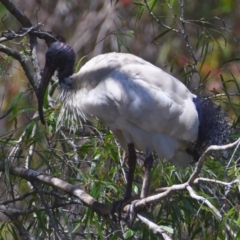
(194, 153)
(132, 159)
(148, 162)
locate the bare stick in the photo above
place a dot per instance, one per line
(154, 227)
(24, 61)
(185, 35)
(31, 175)
(158, 21)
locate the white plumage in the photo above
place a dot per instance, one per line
(140, 103)
(145, 107)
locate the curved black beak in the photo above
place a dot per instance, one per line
(46, 77)
(58, 56)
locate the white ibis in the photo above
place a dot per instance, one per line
(145, 107)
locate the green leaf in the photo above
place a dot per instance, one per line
(162, 34)
(24, 110)
(205, 53)
(129, 233)
(129, 33)
(238, 184)
(153, 3)
(13, 105)
(77, 68)
(167, 229)
(231, 60)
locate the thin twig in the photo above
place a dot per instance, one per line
(185, 35)
(11, 213)
(210, 205)
(202, 158)
(32, 175)
(57, 232)
(9, 35)
(13, 154)
(159, 21)
(154, 227)
(234, 152)
(24, 61)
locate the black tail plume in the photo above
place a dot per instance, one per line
(213, 126)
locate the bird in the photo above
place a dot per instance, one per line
(146, 108)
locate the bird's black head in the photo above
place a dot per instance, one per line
(61, 57)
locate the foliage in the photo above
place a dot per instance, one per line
(195, 41)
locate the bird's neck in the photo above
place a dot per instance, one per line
(65, 71)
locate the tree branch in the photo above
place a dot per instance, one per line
(154, 227)
(17, 13)
(187, 186)
(204, 155)
(32, 175)
(24, 61)
(22, 18)
(11, 213)
(185, 35)
(159, 21)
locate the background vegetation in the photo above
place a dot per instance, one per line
(56, 184)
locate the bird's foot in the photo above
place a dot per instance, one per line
(117, 208)
(132, 212)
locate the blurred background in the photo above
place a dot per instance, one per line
(197, 43)
(95, 27)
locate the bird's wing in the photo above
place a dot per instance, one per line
(139, 102)
(153, 100)
(123, 86)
